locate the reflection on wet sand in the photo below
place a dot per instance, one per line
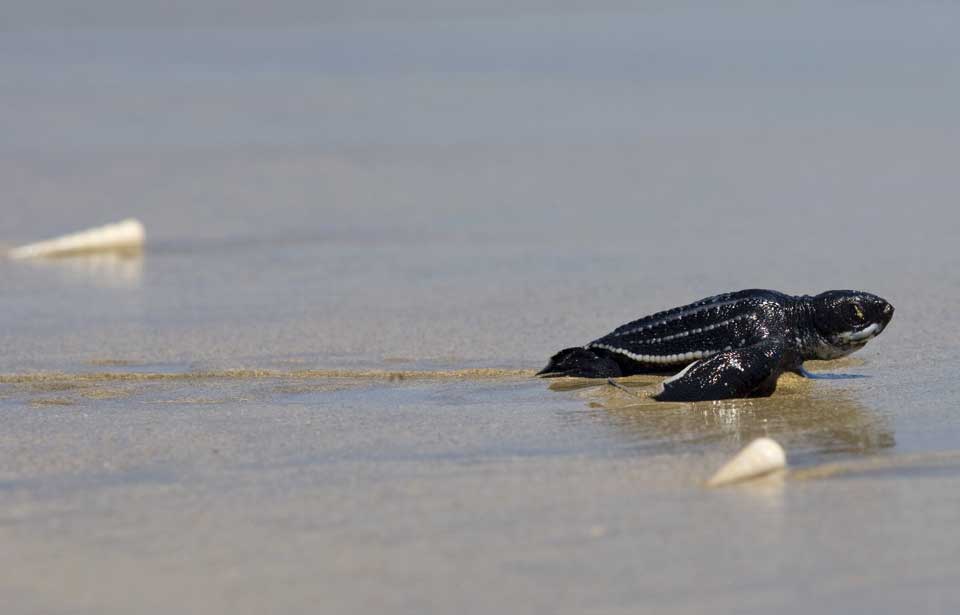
(120, 268)
(806, 417)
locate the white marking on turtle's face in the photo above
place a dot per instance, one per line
(848, 342)
(848, 337)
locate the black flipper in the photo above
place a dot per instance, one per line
(581, 363)
(751, 371)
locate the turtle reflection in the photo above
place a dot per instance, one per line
(807, 419)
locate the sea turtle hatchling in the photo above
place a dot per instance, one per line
(730, 345)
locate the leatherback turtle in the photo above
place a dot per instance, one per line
(730, 345)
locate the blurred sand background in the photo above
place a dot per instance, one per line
(336, 194)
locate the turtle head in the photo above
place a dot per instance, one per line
(848, 319)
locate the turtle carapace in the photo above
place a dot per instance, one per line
(730, 345)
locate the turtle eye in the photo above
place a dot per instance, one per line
(857, 312)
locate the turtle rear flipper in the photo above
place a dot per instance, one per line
(751, 371)
(581, 363)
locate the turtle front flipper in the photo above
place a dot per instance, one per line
(751, 371)
(581, 363)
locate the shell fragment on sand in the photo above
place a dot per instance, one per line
(760, 457)
(128, 234)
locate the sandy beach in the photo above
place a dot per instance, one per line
(313, 389)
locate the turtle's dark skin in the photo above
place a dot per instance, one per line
(730, 345)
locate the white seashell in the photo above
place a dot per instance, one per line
(126, 234)
(760, 457)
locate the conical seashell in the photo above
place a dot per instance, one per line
(125, 234)
(760, 457)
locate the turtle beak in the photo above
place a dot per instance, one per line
(886, 314)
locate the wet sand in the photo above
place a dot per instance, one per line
(251, 493)
(312, 391)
